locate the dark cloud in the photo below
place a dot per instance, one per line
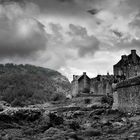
(8, 1)
(135, 23)
(67, 1)
(20, 35)
(135, 43)
(66, 46)
(117, 33)
(76, 30)
(127, 45)
(63, 8)
(133, 4)
(93, 11)
(90, 48)
(86, 44)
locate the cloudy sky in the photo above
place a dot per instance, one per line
(70, 36)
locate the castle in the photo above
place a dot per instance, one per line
(80, 84)
(127, 67)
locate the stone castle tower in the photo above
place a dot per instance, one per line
(80, 84)
(128, 66)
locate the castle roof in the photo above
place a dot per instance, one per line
(128, 59)
(107, 77)
(121, 62)
(82, 76)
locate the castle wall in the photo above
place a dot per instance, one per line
(101, 86)
(74, 87)
(84, 85)
(97, 87)
(128, 66)
(115, 100)
(129, 95)
(80, 84)
(118, 71)
(133, 70)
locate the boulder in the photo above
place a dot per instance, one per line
(78, 113)
(91, 133)
(96, 105)
(3, 105)
(55, 119)
(97, 112)
(74, 125)
(19, 114)
(52, 131)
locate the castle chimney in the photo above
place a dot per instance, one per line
(84, 73)
(73, 77)
(124, 57)
(133, 53)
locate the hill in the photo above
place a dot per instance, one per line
(22, 85)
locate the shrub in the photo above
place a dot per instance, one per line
(74, 125)
(87, 101)
(58, 97)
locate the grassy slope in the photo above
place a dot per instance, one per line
(26, 84)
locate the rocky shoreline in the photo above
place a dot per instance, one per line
(72, 121)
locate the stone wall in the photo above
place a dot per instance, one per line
(80, 84)
(74, 88)
(101, 85)
(84, 84)
(133, 70)
(129, 95)
(128, 66)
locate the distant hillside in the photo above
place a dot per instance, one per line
(26, 84)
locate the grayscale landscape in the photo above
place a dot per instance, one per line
(69, 70)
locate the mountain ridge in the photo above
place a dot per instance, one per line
(28, 84)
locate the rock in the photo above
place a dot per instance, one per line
(52, 131)
(55, 119)
(68, 108)
(74, 136)
(78, 114)
(18, 114)
(117, 124)
(87, 125)
(133, 135)
(74, 125)
(107, 123)
(97, 118)
(96, 105)
(86, 109)
(104, 121)
(44, 123)
(119, 129)
(97, 112)
(107, 99)
(91, 133)
(68, 115)
(115, 103)
(73, 114)
(54, 134)
(111, 111)
(124, 119)
(3, 105)
(45, 118)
